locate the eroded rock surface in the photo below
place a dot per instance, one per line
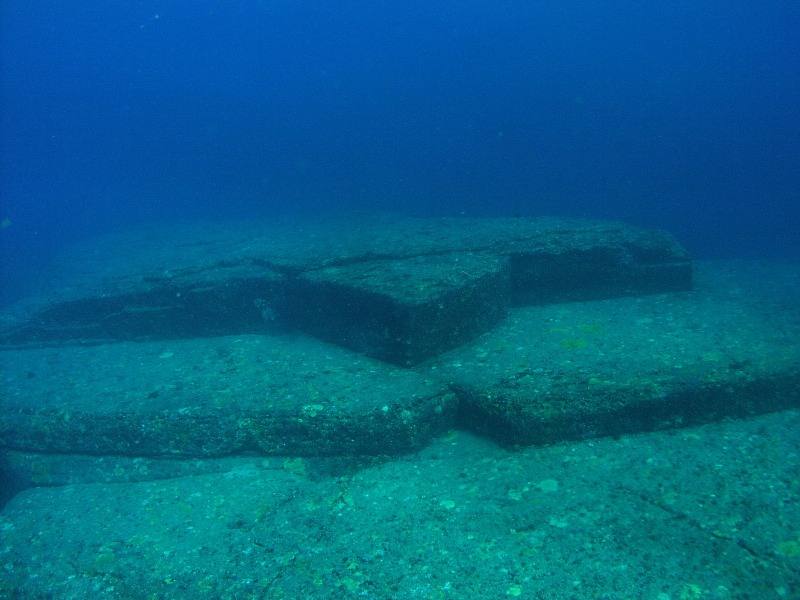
(401, 290)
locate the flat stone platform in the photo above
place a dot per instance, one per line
(401, 290)
(282, 412)
(548, 373)
(215, 397)
(729, 348)
(707, 512)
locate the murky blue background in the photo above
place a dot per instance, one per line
(681, 115)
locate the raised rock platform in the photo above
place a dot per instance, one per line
(214, 397)
(586, 369)
(547, 373)
(708, 512)
(401, 290)
(226, 381)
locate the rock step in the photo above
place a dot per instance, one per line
(706, 512)
(215, 397)
(548, 373)
(401, 290)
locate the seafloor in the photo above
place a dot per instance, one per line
(400, 408)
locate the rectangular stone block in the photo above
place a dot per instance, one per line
(215, 397)
(400, 311)
(402, 290)
(587, 369)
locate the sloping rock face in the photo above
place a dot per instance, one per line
(398, 290)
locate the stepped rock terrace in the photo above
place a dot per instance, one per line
(312, 410)
(400, 290)
(374, 336)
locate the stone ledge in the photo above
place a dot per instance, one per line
(587, 369)
(546, 374)
(215, 397)
(401, 290)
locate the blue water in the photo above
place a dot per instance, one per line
(205, 414)
(680, 115)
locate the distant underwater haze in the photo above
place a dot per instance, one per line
(680, 115)
(400, 300)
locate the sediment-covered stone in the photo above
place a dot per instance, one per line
(686, 514)
(397, 289)
(215, 397)
(401, 311)
(23, 470)
(556, 372)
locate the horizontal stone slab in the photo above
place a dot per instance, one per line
(188, 303)
(22, 470)
(215, 397)
(556, 372)
(709, 512)
(547, 374)
(401, 290)
(403, 310)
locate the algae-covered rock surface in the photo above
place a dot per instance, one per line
(544, 374)
(423, 285)
(410, 408)
(707, 512)
(213, 397)
(547, 373)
